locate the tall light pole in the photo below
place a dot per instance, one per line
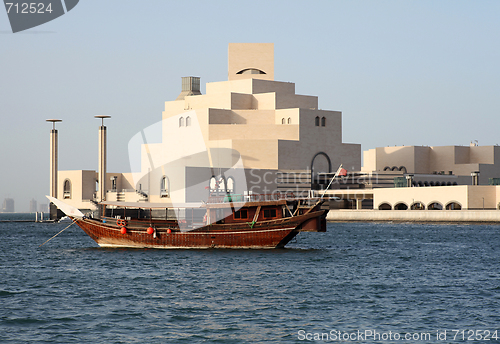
(102, 159)
(53, 166)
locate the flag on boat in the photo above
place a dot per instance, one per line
(342, 172)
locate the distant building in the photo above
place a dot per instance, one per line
(8, 205)
(424, 178)
(33, 206)
(437, 166)
(44, 208)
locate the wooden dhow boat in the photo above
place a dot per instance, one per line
(230, 221)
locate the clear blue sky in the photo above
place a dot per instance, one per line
(402, 73)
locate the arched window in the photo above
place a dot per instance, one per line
(164, 187)
(417, 206)
(188, 121)
(230, 185)
(222, 186)
(67, 189)
(217, 185)
(435, 206)
(453, 206)
(212, 185)
(316, 121)
(323, 121)
(113, 183)
(251, 71)
(401, 206)
(384, 206)
(282, 121)
(181, 122)
(323, 165)
(289, 120)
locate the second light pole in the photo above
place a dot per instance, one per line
(101, 178)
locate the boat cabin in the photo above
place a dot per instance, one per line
(229, 209)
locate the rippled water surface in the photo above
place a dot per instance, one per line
(404, 278)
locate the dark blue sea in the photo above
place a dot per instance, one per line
(359, 283)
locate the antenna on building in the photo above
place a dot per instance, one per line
(102, 158)
(53, 166)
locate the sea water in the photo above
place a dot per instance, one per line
(358, 282)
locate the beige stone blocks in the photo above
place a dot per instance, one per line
(251, 60)
(258, 153)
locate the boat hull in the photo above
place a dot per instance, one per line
(265, 234)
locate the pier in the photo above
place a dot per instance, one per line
(459, 216)
(39, 217)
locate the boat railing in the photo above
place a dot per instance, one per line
(181, 221)
(275, 196)
(127, 190)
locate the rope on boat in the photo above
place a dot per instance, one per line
(74, 221)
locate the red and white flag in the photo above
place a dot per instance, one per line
(342, 172)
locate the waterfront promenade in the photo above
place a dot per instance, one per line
(364, 215)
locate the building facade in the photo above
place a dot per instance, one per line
(437, 165)
(8, 205)
(33, 206)
(235, 138)
(425, 178)
(251, 133)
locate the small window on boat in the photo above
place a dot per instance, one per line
(268, 213)
(241, 214)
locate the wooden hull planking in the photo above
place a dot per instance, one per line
(263, 234)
